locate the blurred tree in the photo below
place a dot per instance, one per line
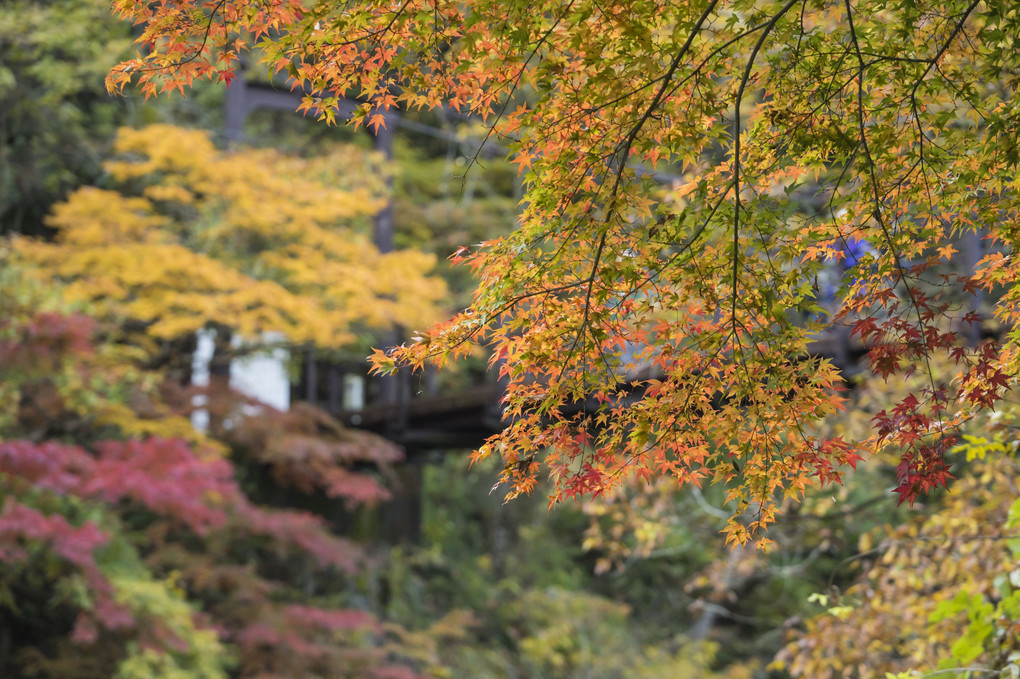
(513, 576)
(938, 592)
(56, 120)
(251, 239)
(128, 547)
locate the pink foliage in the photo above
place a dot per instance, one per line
(47, 336)
(309, 616)
(163, 475)
(166, 477)
(302, 530)
(76, 544)
(51, 466)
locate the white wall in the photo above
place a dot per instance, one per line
(261, 375)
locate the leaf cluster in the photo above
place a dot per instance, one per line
(790, 129)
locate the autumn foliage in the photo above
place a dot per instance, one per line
(139, 557)
(715, 191)
(132, 545)
(193, 235)
(658, 328)
(937, 593)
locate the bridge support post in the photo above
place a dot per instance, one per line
(401, 517)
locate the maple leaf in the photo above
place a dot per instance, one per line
(739, 253)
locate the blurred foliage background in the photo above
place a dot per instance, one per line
(133, 545)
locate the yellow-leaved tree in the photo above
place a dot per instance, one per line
(186, 235)
(128, 547)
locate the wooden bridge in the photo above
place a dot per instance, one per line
(426, 423)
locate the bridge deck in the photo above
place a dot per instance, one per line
(463, 420)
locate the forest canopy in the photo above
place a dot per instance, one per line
(692, 171)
